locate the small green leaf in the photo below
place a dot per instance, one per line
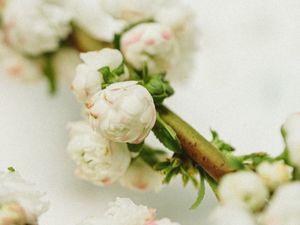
(220, 144)
(120, 70)
(11, 169)
(166, 135)
(50, 73)
(201, 191)
(117, 41)
(136, 148)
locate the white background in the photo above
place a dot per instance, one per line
(246, 81)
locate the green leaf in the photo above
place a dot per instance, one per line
(201, 191)
(166, 135)
(151, 156)
(136, 148)
(50, 73)
(11, 169)
(220, 144)
(159, 88)
(117, 41)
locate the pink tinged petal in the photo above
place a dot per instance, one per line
(167, 35)
(129, 40)
(15, 70)
(150, 41)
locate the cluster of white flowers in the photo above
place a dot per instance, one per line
(123, 112)
(245, 197)
(19, 202)
(124, 212)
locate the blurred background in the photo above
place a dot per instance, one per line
(245, 83)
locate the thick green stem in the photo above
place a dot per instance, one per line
(196, 146)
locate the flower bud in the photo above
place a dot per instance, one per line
(231, 214)
(98, 160)
(152, 44)
(123, 112)
(274, 174)
(35, 27)
(20, 203)
(243, 188)
(141, 177)
(292, 129)
(284, 208)
(88, 79)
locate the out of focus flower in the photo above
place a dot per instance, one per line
(164, 221)
(88, 79)
(91, 18)
(292, 129)
(124, 112)
(284, 208)
(35, 27)
(244, 189)
(65, 62)
(98, 160)
(231, 214)
(132, 10)
(152, 44)
(141, 177)
(18, 66)
(20, 203)
(274, 174)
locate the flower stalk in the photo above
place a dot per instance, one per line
(213, 161)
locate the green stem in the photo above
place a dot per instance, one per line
(213, 161)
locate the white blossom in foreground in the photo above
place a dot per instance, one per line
(34, 27)
(124, 112)
(98, 160)
(88, 79)
(284, 208)
(292, 128)
(164, 221)
(20, 202)
(132, 10)
(65, 62)
(274, 174)
(93, 19)
(152, 44)
(244, 189)
(141, 177)
(231, 215)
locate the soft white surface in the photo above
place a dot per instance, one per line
(246, 82)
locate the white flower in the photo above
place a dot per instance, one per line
(284, 208)
(19, 199)
(98, 160)
(165, 221)
(34, 27)
(141, 177)
(132, 10)
(292, 128)
(231, 215)
(94, 221)
(124, 112)
(152, 44)
(91, 18)
(64, 63)
(124, 212)
(243, 188)
(88, 79)
(274, 174)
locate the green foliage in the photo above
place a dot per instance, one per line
(50, 73)
(11, 169)
(110, 77)
(166, 135)
(220, 144)
(201, 190)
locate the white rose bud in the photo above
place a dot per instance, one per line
(34, 27)
(243, 188)
(124, 212)
(98, 160)
(141, 177)
(20, 202)
(124, 112)
(94, 20)
(132, 10)
(292, 128)
(284, 208)
(152, 44)
(231, 215)
(274, 174)
(88, 79)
